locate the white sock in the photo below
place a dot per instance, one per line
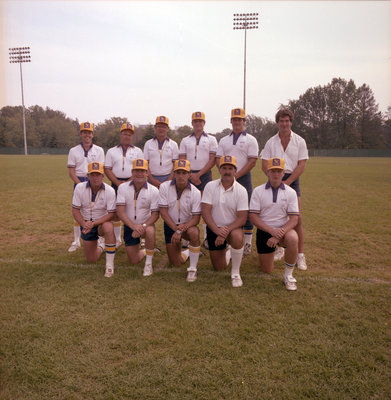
(248, 238)
(228, 255)
(110, 253)
(148, 257)
(300, 255)
(236, 255)
(204, 229)
(117, 230)
(194, 255)
(76, 232)
(288, 270)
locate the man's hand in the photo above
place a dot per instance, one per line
(278, 233)
(272, 242)
(87, 226)
(138, 231)
(195, 178)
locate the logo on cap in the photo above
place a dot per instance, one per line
(276, 163)
(95, 166)
(139, 163)
(237, 111)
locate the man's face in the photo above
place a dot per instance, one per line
(198, 125)
(96, 179)
(139, 176)
(284, 124)
(125, 137)
(238, 124)
(227, 171)
(181, 177)
(275, 176)
(161, 131)
(86, 137)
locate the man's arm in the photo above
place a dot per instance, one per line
(72, 174)
(296, 172)
(264, 166)
(195, 176)
(250, 164)
(112, 177)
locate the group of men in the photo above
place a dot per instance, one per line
(176, 183)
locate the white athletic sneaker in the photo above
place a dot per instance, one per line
(74, 246)
(109, 272)
(142, 242)
(247, 249)
(236, 280)
(290, 283)
(205, 244)
(191, 276)
(101, 242)
(228, 254)
(301, 263)
(148, 270)
(185, 244)
(118, 244)
(279, 254)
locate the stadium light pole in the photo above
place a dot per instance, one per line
(245, 21)
(21, 55)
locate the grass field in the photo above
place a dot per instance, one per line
(69, 333)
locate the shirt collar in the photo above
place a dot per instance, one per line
(102, 187)
(268, 186)
(173, 182)
(120, 145)
(202, 134)
(241, 133)
(144, 186)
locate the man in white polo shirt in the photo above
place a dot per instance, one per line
(274, 210)
(245, 148)
(138, 209)
(200, 149)
(78, 159)
(224, 209)
(93, 207)
(293, 149)
(180, 208)
(118, 166)
(160, 152)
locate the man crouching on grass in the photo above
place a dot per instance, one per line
(138, 209)
(274, 211)
(180, 208)
(93, 207)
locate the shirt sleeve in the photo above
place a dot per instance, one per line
(303, 151)
(76, 200)
(139, 153)
(182, 148)
(109, 159)
(196, 206)
(207, 195)
(253, 148)
(121, 195)
(265, 153)
(255, 203)
(154, 199)
(163, 202)
(146, 150)
(293, 204)
(111, 199)
(71, 159)
(242, 199)
(175, 152)
(212, 144)
(220, 151)
(101, 155)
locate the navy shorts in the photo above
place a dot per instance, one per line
(262, 238)
(90, 236)
(128, 239)
(161, 178)
(81, 179)
(168, 232)
(207, 177)
(115, 187)
(211, 238)
(294, 185)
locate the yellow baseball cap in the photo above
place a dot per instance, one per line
(127, 126)
(95, 166)
(161, 119)
(182, 164)
(238, 113)
(140, 163)
(198, 115)
(231, 160)
(276, 163)
(86, 126)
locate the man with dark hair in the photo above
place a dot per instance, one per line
(292, 148)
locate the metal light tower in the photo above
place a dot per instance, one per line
(21, 55)
(245, 21)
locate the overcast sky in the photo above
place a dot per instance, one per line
(139, 59)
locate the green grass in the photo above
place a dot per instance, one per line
(69, 333)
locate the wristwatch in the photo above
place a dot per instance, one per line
(144, 225)
(178, 232)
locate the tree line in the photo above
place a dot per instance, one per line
(337, 115)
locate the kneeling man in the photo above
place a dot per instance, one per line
(138, 209)
(93, 207)
(224, 209)
(274, 211)
(180, 208)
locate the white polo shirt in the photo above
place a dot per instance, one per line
(93, 207)
(138, 206)
(245, 147)
(294, 152)
(274, 206)
(160, 158)
(120, 161)
(79, 159)
(198, 151)
(181, 206)
(225, 203)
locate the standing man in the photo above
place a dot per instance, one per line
(78, 159)
(245, 148)
(224, 209)
(160, 152)
(118, 166)
(180, 208)
(200, 149)
(93, 207)
(274, 210)
(138, 209)
(293, 149)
